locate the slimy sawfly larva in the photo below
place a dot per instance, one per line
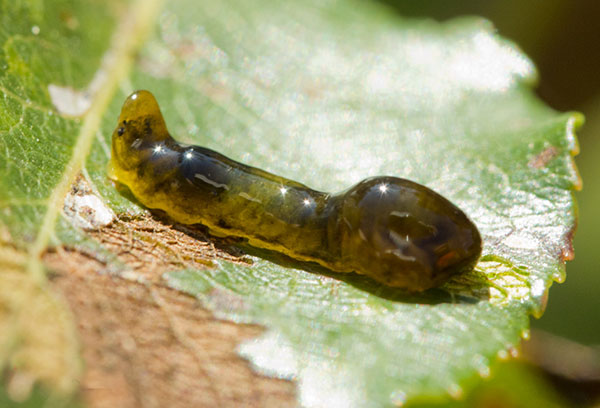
(393, 230)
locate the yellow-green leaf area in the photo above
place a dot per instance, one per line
(42, 45)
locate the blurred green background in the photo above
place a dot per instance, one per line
(562, 37)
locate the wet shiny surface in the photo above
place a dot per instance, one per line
(393, 230)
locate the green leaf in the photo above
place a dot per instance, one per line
(37, 142)
(37, 338)
(330, 94)
(326, 93)
(48, 51)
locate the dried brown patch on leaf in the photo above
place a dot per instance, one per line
(147, 345)
(567, 251)
(540, 161)
(144, 344)
(150, 247)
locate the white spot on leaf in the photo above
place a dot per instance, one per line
(85, 209)
(68, 101)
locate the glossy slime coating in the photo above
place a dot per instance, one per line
(393, 230)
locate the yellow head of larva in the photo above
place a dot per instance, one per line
(139, 106)
(140, 121)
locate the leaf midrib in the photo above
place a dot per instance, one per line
(131, 33)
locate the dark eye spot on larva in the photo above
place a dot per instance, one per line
(120, 131)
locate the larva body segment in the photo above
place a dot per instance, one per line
(393, 230)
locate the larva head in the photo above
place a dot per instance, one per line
(140, 123)
(406, 235)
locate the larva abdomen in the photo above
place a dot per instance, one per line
(393, 230)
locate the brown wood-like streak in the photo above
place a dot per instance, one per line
(146, 345)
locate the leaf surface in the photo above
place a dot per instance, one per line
(329, 93)
(54, 90)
